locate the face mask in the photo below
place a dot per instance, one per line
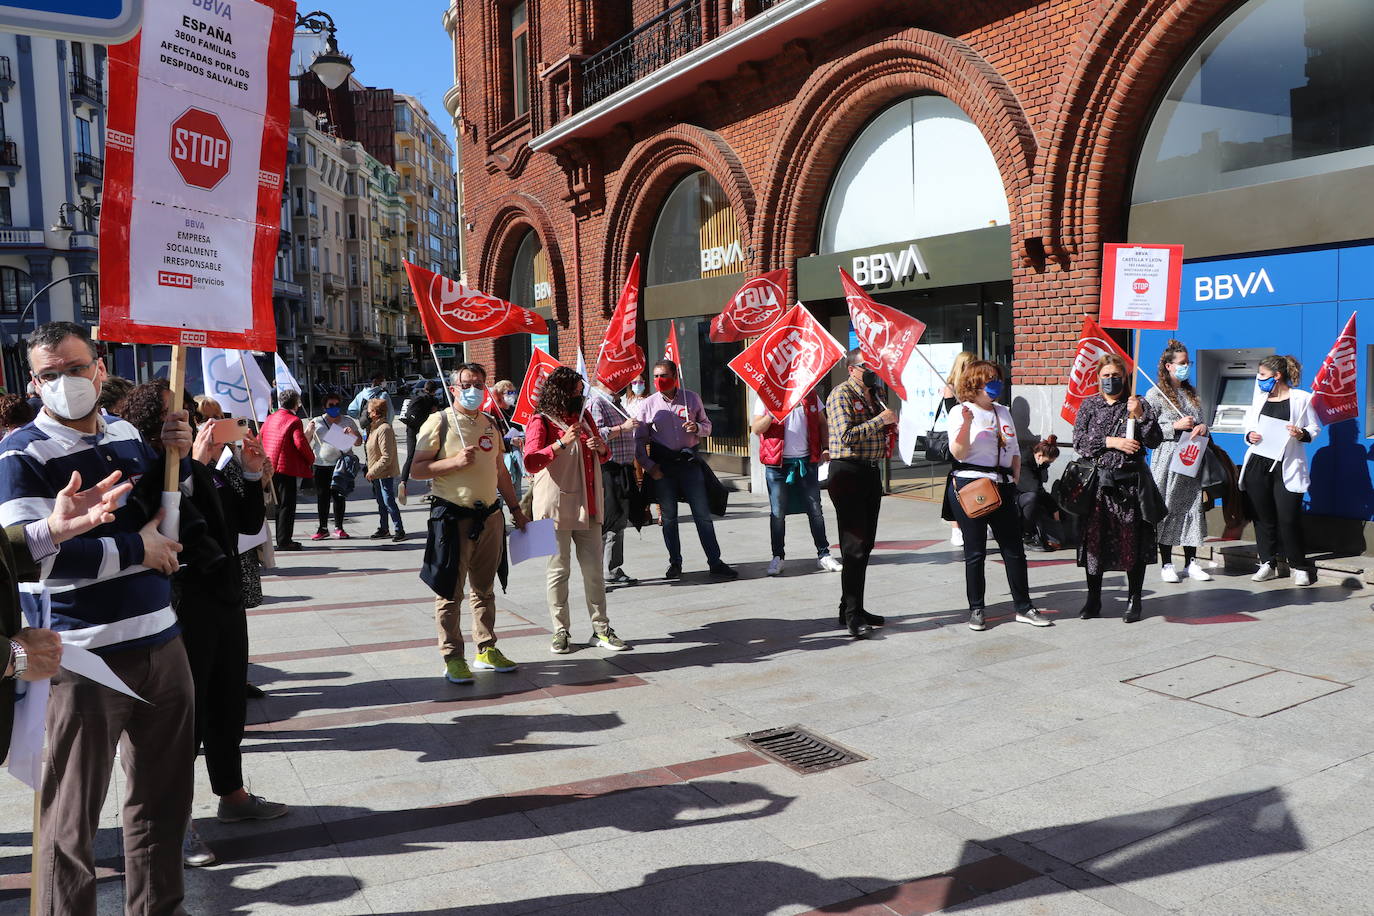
(1265, 384)
(470, 398)
(993, 389)
(71, 397)
(870, 379)
(575, 404)
(664, 385)
(638, 388)
(509, 398)
(332, 411)
(1113, 386)
(1181, 372)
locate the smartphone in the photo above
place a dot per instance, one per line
(229, 429)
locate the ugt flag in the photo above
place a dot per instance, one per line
(787, 361)
(754, 308)
(621, 359)
(1093, 343)
(887, 337)
(230, 376)
(541, 364)
(670, 349)
(1333, 391)
(453, 313)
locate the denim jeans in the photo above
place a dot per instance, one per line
(384, 490)
(777, 507)
(685, 480)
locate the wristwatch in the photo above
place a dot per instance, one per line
(19, 658)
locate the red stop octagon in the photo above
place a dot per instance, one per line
(200, 148)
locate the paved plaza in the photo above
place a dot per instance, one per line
(1215, 758)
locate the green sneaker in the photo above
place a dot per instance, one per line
(492, 660)
(608, 640)
(456, 671)
(560, 643)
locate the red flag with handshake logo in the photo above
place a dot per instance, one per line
(1093, 343)
(541, 364)
(787, 361)
(621, 359)
(887, 337)
(453, 313)
(758, 304)
(1333, 391)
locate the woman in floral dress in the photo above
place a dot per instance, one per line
(1179, 413)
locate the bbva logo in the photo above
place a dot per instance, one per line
(1227, 286)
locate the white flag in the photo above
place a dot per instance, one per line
(229, 377)
(582, 370)
(31, 697)
(285, 380)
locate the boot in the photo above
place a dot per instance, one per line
(1132, 610)
(873, 620)
(857, 628)
(840, 620)
(1092, 608)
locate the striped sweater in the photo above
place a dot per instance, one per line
(102, 598)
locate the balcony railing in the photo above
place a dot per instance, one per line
(6, 72)
(662, 39)
(86, 88)
(9, 153)
(88, 166)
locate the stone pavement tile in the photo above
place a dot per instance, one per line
(416, 787)
(631, 812)
(907, 743)
(982, 775)
(1177, 763)
(668, 748)
(436, 850)
(1322, 808)
(1107, 737)
(1269, 694)
(778, 886)
(313, 880)
(1206, 674)
(1042, 809)
(1037, 897)
(1355, 852)
(1311, 885)
(415, 744)
(513, 886)
(514, 773)
(893, 855)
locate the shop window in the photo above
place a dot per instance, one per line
(920, 168)
(697, 234)
(1278, 90)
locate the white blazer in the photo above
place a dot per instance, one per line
(1295, 476)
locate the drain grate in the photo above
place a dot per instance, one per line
(799, 750)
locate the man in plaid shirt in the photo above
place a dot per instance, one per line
(617, 477)
(858, 443)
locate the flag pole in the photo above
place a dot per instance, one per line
(248, 386)
(171, 481)
(447, 394)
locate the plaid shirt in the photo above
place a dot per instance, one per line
(606, 416)
(855, 431)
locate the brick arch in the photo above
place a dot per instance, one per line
(649, 172)
(840, 97)
(1123, 59)
(517, 214)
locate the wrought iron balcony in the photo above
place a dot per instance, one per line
(89, 168)
(6, 72)
(666, 37)
(9, 154)
(83, 87)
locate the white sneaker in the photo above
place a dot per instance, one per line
(956, 537)
(1265, 573)
(401, 493)
(1169, 574)
(775, 566)
(830, 564)
(1302, 577)
(1197, 573)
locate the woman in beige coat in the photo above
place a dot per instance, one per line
(564, 453)
(382, 467)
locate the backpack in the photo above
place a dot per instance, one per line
(345, 474)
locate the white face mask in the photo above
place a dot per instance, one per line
(637, 388)
(71, 397)
(510, 398)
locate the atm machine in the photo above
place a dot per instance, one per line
(1226, 384)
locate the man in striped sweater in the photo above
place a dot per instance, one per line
(111, 594)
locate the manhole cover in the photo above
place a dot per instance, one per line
(799, 750)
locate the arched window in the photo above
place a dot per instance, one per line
(1279, 90)
(16, 289)
(530, 284)
(920, 168)
(697, 234)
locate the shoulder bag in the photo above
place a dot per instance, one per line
(1076, 489)
(982, 496)
(937, 440)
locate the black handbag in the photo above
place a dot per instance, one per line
(937, 441)
(1153, 508)
(1076, 489)
(1213, 474)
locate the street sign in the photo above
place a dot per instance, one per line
(107, 21)
(442, 352)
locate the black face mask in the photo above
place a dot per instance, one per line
(1112, 386)
(575, 404)
(870, 379)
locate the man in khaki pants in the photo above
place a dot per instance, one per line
(460, 450)
(564, 452)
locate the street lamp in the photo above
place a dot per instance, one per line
(330, 66)
(88, 209)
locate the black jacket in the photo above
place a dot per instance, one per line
(1034, 478)
(421, 406)
(211, 577)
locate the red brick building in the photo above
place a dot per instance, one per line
(589, 132)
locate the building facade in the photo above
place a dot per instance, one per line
(965, 162)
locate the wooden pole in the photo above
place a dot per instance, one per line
(177, 377)
(34, 860)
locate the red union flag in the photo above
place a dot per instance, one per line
(1093, 343)
(670, 349)
(453, 313)
(887, 337)
(787, 361)
(541, 364)
(1333, 391)
(621, 359)
(753, 309)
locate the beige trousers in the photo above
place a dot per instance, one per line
(477, 563)
(589, 552)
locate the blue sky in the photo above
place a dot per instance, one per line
(398, 45)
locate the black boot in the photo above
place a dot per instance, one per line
(1092, 608)
(840, 620)
(1132, 610)
(857, 627)
(873, 620)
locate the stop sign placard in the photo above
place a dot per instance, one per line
(200, 148)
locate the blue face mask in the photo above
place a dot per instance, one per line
(1182, 372)
(470, 398)
(993, 388)
(1266, 384)
(332, 411)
